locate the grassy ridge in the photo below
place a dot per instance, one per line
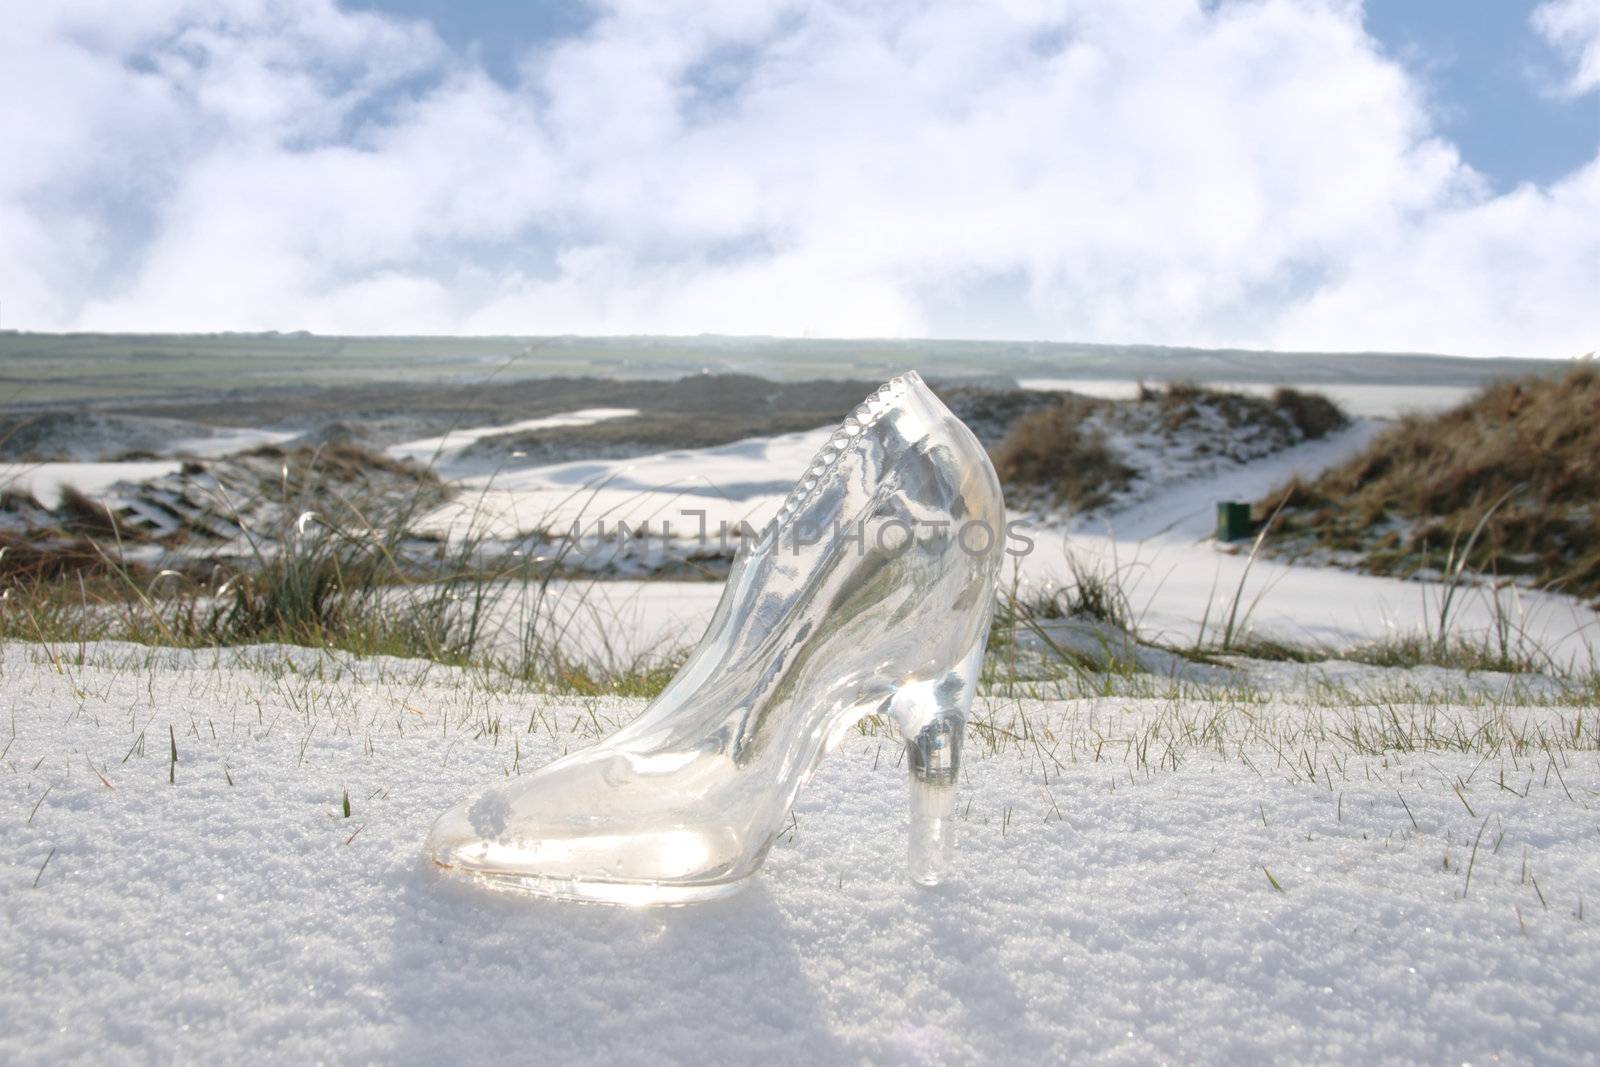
(1519, 464)
(1064, 455)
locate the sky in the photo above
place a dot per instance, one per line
(1400, 175)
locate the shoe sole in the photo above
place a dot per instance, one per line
(620, 894)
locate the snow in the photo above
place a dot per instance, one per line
(1102, 908)
(95, 480)
(687, 503)
(429, 450)
(607, 622)
(743, 481)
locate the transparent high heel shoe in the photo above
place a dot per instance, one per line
(871, 591)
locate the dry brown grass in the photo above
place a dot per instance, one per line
(27, 561)
(1424, 484)
(1313, 414)
(1050, 451)
(20, 501)
(81, 514)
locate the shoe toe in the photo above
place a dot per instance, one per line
(569, 823)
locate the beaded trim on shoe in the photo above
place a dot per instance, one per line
(884, 398)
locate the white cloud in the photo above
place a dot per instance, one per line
(1573, 27)
(1240, 173)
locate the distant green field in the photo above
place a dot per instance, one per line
(59, 368)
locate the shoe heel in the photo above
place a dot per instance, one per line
(932, 717)
(934, 759)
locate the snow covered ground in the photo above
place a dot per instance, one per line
(1124, 890)
(45, 480)
(96, 478)
(726, 485)
(445, 448)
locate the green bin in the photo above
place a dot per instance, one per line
(1233, 520)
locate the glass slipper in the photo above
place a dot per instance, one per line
(870, 592)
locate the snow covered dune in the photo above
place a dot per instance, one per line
(1204, 879)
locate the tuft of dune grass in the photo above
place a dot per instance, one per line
(1313, 414)
(25, 563)
(81, 514)
(21, 501)
(1052, 450)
